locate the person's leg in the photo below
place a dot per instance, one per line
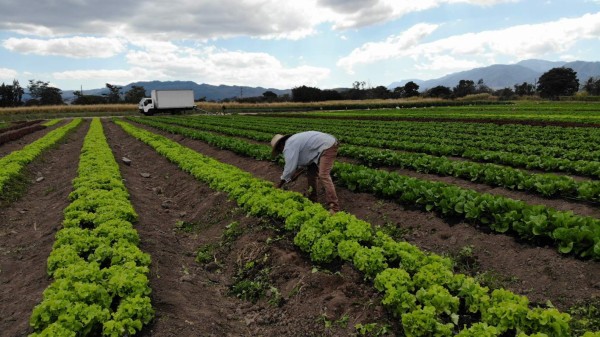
(325, 166)
(311, 177)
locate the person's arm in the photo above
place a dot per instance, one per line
(291, 164)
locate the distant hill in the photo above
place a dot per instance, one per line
(496, 76)
(500, 76)
(210, 92)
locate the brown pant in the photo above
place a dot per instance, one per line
(323, 172)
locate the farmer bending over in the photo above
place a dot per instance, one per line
(314, 152)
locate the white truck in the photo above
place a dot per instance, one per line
(167, 101)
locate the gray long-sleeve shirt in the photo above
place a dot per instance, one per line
(303, 149)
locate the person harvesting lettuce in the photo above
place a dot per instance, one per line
(314, 152)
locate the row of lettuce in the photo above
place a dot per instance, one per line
(564, 136)
(552, 142)
(100, 284)
(419, 288)
(571, 233)
(457, 139)
(547, 185)
(466, 144)
(13, 163)
(534, 111)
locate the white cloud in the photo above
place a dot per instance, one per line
(177, 19)
(393, 46)
(75, 47)
(120, 76)
(447, 64)
(207, 65)
(359, 13)
(7, 75)
(518, 42)
(205, 19)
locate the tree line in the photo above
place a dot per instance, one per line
(551, 85)
(42, 93)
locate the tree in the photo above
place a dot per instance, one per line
(398, 92)
(558, 82)
(43, 94)
(592, 86)
(505, 94)
(331, 95)
(439, 91)
(81, 99)
(135, 94)
(11, 95)
(269, 96)
(411, 89)
(482, 88)
(114, 95)
(380, 92)
(524, 89)
(464, 88)
(306, 94)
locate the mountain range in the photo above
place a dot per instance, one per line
(207, 91)
(496, 76)
(499, 76)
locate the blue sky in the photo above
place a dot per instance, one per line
(281, 43)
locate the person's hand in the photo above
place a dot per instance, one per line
(281, 183)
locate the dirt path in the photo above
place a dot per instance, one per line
(192, 299)
(541, 273)
(27, 229)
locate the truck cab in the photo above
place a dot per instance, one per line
(146, 105)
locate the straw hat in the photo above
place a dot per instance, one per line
(278, 138)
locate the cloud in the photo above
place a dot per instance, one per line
(7, 75)
(517, 42)
(361, 13)
(206, 65)
(447, 64)
(120, 76)
(205, 19)
(177, 19)
(75, 47)
(392, 47)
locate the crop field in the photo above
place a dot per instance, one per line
(456, 221)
